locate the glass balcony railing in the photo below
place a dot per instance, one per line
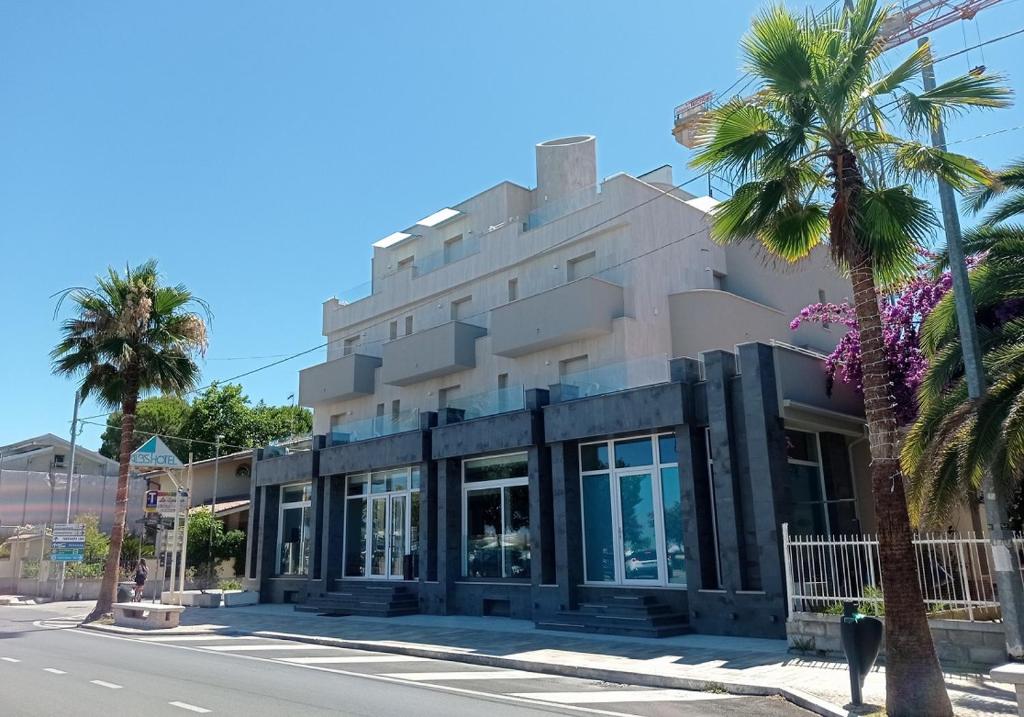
(491, 403)
(449, 254)
(355, 293)
(615, 377)
(288, 446)
(375, 427)
(556, 208)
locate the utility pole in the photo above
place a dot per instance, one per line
(71, 475)
(1005, 561)
(213, 499)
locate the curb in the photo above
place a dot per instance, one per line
(604, 674)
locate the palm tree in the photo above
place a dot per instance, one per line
(817, 163)
(954, 441)
(130, 335)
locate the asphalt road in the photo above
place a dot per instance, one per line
(48, 667)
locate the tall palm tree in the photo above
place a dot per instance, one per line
(953, 442)
(129, 336)
(818, 162)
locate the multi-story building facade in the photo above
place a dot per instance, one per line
(557, 397)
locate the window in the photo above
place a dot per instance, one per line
(496, 515)
(513, 289)
(350, 345)
(408, 325)
(503, 393)
(393, 330)
(444, 395)
(573, 365)
(454, 249)
(396, 409)
(58, 459)
(460, 308)
(382, 515)
(822, 496)
(581, 266)
(406, 262)
(633, 529)
(293, 533)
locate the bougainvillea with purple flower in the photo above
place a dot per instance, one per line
(902, 313)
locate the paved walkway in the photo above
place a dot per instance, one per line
(744, 665)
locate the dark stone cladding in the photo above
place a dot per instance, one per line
(648, 408)
(287, 468)
(490, 434)
(400, 449)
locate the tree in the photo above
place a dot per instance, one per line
(163, 415)
(902, 314)
(817, 163)
(130, 335)
(954, 441)
(209, 544)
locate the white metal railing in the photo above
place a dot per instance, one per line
(953, 570)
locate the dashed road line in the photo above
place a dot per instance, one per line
(108, 685)
(10, 659)
(195, 638)
(482, 675)
(608, 696)
(54, 671)
(190, 708)
(350, 659)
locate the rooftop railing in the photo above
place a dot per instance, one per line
(490, 403)
(557, 208)
(449, 254)
(288, 446)
(615, 377)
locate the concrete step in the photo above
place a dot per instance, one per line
(679, 628)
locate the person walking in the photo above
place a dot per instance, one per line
(141, 573)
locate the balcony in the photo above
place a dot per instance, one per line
(338, 380)
(439, 351)
(376, 427)
(581, 309)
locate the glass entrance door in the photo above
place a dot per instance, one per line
(389, 529)
(641, 550)
(378, 553)
(397, 537)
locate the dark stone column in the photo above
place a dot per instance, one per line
(766, 452)
(334, 530)
(449, 529)
(428, 522)
(568, 536)
(267, 560)
(253, 528)
(719, 368)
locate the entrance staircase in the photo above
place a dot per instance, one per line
(634, 615)
(367, 600)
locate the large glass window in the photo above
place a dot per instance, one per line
(819, 505)
(382, 524)
(632, 511)
(496, 510)
(294, 527)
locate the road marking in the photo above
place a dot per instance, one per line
(350, 659)
(54, 671)
(254, 648)
(194, 638)
(566, 698)
(9, 659)
(108, 685)
(190, 708)
(482, 675)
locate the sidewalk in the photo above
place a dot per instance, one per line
(703, 662)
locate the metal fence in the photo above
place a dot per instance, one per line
(953, 570)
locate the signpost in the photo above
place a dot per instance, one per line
(166, 506)
(68, 544)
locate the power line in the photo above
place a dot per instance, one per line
(163, 435)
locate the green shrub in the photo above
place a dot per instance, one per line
(229, 584)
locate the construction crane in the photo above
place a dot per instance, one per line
(909, 21)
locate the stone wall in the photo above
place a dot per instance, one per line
(957, 642)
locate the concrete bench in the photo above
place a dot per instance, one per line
(147, 616)
(1013, 674)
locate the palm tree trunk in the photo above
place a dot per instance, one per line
(913, 678)
(108, 587)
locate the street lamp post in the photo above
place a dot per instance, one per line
(71, 476)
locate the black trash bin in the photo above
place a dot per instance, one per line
(862, 638)
(125, 592)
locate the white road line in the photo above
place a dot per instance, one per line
(350, 659)
(9, 659)
(261, 648)
(591, 698)
(108, 685)
(190, 708)
(54, 671)
(482, 675)
(194, 638)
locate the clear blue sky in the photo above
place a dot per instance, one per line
(257, 149)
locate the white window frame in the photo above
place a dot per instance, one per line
(293, 505)
(614, 474)
(369, 496)
(486, 485)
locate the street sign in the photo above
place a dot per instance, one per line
(169, 541)
(154, 453)
(151, 501)
(68, 544)
(168, 504)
